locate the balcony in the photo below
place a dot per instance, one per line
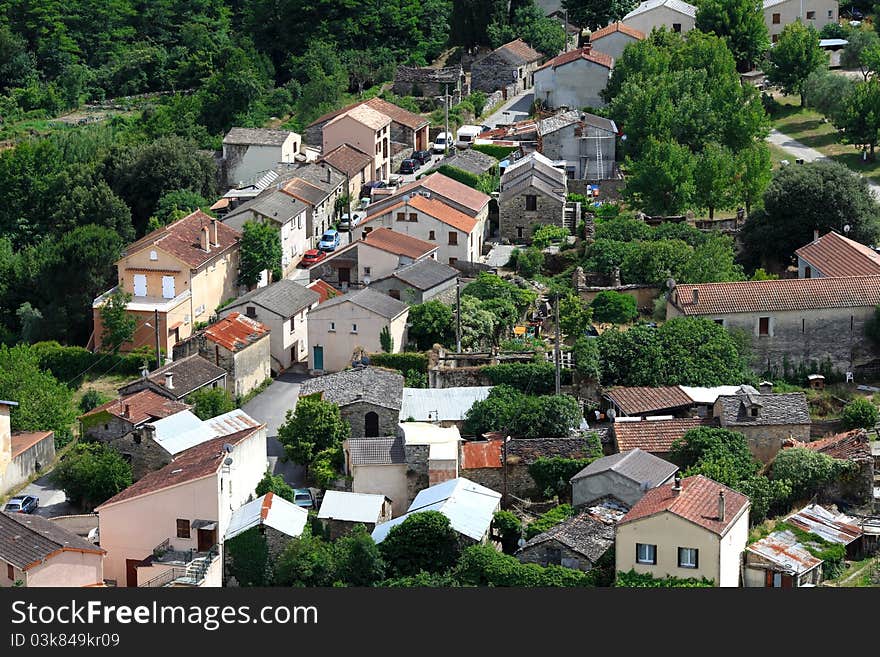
(147, 303)
(187, 568)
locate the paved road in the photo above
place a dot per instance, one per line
(271, 406)
(515, 109)
(53, 502)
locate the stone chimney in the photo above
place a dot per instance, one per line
(127, 411)
(206, 244)
(765, 387)
(326, 174)
(676, 484)
(696, 296)
(169, 380)
(815, 234)
(214, 239)
(721, 505)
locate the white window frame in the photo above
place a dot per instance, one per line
(690, 552)
(354, 328)
(332, 328)
(154, 255)
(652, 560)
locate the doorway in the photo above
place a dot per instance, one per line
(371, 425)
(318, 358)
(131, 573)
(207, 538)
(344, 275)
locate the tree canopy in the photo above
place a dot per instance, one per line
(794, 56)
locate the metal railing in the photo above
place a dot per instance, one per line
(165, 578)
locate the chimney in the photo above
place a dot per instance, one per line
(327, 173)
(206, 244)
(127, 412)
(721, 505)
(765, 387)
(815, 234)
(676, 484)
(214, 238)
(696, 296)
(169, 380)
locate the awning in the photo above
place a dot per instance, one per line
(207, 525)
(174, 326)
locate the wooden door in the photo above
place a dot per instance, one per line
(206, 539)
(131, 573)
(318, 358)
(344, 275)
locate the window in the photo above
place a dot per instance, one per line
(366, 271)
(401, 216)
(413, 216)
(453, 239)
(646, 553)
(754, 411)
(777, 18)
(10, 571)
(811, 15)
(431, 236)
(831, 13)
(803, 325)
(775, 38)
(519, 232)
(719, 321)
(764, 326)
(332, 326)
(687, 557)
(251, 312)
(452, 261)
(182, 528)
(531, 202)
(852, 321)
(676, 27)
(808, 272)
(154, 255)
(354, 328)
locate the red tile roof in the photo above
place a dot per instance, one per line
(439, 210)
(398, 243)
(782, 294)
(623, 28)
(392, 111)
(235, 331)
(194, 463)
(655, 436)
(636, 400)
(22, 441)
(697, 502)
(836, 255)
(347, 159)
(481, 454)
(586, 53)
(142, 406)
(446, 187)
(324, 290)
(182, 239)
(520, 50)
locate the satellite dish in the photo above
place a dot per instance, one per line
(227, 448)
(228, 461)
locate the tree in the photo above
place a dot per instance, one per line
(313, 426)
(425, 541)
(491, 286)
(553, 475)
(544, 34)
(276, 485)
(753, 172)
(623, 228)
(43, 402)
(661, 180)
(118, 325)
(477, 324)
(324, 79)
(740, 23)
(574, 314)
(91, 474)
(713, 170)
(654, 261)
(827, 92)
(795, 55)
(859, 43)
(306, 561)
(614, 307)
(386, 340)
(593, 14)
(860, 413)
(528, 261)
(712, 262)
(31, 321)
(91, 399)
(210, 402)
(358, 559)
(858, 117)
(521, 415)
(507, 528)
(431, 323)
(260, 250)
(586, 358)
(178, 203)
(247, 558)
(717, 453)
(806, 470)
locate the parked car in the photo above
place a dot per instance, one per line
(329, 240)
(367, 188)
(22, 504)
(422, 157)
(409, 166)
(312, 257)
(350, 221)
(364, 203)
(441, 142)
(303, 497)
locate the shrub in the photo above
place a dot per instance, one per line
(586, 358)
(860, 413)
(425, 541)
(548, 520)
(498, 152)
(546, 234)
(404, 362)
(552, 475)
(528, 261)
(386, 340)
(524, 416)
(530, 378)
(210, 402)
(482, 565)
(248, 558)
(507, 529)
(91, 474)
(614, 307)
(647, 580)
(806, 471)
(415, 379)
(276, 485)
(91, 400)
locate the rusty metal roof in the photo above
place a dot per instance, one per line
(235, 331)
(481, 454)
(832, 527)
(784, 550)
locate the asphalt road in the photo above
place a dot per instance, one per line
(53, 502)
(515, 109)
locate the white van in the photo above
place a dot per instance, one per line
(440, 143)
(466, 135)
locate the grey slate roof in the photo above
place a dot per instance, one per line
(377, 451)
(375, 302)
(190, 373)
(447, 74)
(375, 385)
(316, 174)
(274, 204)
(636, 465)
(532, 182)
(469, 160)
(26, 539)
(582, 534)
(773, 409)
(284, 298)
(256, 136)
(425, 274)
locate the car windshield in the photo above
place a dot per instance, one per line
(13, 506)
(328, 236)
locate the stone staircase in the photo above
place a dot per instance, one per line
(195, 572)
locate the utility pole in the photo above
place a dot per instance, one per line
(504, 469)
(556, 353)
(156, 324)
(457, 315)
(446, 141)
(565, 30)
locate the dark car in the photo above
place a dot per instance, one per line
(367, 188)
(409, 166)
(422, 157)
(22, 504)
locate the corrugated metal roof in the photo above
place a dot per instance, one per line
(425, 433)
(833, 527)
(269, 510)
(184, 430)
(440, 404)
(351, 507)
(783, 549)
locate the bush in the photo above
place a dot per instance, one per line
(586, 358)
(546, 234)
(507, 529)
(210, 402)
(859, 414)
(248, 558)
(530, 378)
(482, 565)
(614, 307)
(425, 541)
(91, 474)
(415, 379)
(91, 400)
(548, 520)
(528, 262)
(402, 362)
(553, 475)
(498, 152)
(276, 485)
(523, 416)
(806, 471)
(72, 365)
(647, 580)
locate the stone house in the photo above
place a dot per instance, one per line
(369, 398)
(354, 164)
(533, 191)
(626, 477)
(21, 453)
(318, 185)
(421, 281)
(792, 321)
(766, 421)
(179, 378)
(578, 543)
(459, 196)
(181, 272)
(341, 511)
(238, 344)
(353, 323)
(693, 527)
(120, 416)
(834, 255)
(430, 82)
(432, 454)
(249, 151)
(853, 446)
(613, 38)
(816, 13)
(585, 142)
(676, 15)
(282, 307)
(510, 67)
(574, 79)
(654, 435)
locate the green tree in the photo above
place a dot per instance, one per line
(210, 402)
(43, 402)
(260, 250)
(662, 179)
(654, 261)
(431, 323)
(806, 471)
(248, 558)
(858, 118)
(553, 475)
(740, 23)
(614, 307)
(712, 262)
(178, 203)
(306, 561)
(507, 528)
(118, 325)
(425, 541)
(477, 324)
(91, 474)
(860, 413)
(323, 76)
(523, 416)
(713, 170)
(358, 559)
(794, 56)
(705, 446)
(274, 484)
(313, 426)
(386, 340)
(623, 228)
(91, 399)
(593, 14)
(753, 173)
(586, 358)
(827, 92)
(574, 314)
(858, 52)
(528, 261)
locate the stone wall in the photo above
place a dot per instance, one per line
(105, 427)
(143, 453)
(452, 377)
(609, 190)
(822, 428)
(856, 488)
(247, 368)
(339, 528)
(416, 470)
(550, 553)
(644, 294)
(515, 222)
(766, 441)
(356, 412)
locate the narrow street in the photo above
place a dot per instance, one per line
(53, 502)
(515, 109)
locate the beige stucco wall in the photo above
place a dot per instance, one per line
(68, 568)
(388, 480)
(718, 559)
(5, 438)
(468, 246)
(347, 130)
(294, 241)
(790, 11)
(213, 284)
(332, 330)
(575, 85)
(613, 44)
(380, 262)
(660, 16)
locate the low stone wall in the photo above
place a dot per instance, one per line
(457, 376)
(822, 428)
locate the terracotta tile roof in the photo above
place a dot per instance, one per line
(623, 28)
(518, 52)
(324, 289)
(586, 53)
(192, 464)
(347, 159)
(697, 502)
(366, 115)
(439, 210)
(782, 294)
(22, 441)
(638, 400)
(27, 540)
(481, 454)
(392, 111)
(182, 239)
(235, 331)
(836, 255)
(304, 191)
(847, 446)
(398, 243)
(142, 406)
(444, 186)
(655, 436)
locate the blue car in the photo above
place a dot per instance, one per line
(329, 240)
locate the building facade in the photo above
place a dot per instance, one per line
(574, 79)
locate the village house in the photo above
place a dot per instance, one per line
(36, 552)
(430, 82)
(574, 79)
(468, 506)
(457, 195)
(354, 164)
(244, 191)
(250, 151)
(626, 477)
(378, 466)
(287, 214)
(368, 398)
(793, 321)
(181, 272)
(368, 131)
(380, 253)
(692, 527)
(179, 378)
(341, 511)
(446, 406)
(424, 280)
(119, 416)
(22, 453)
(613, 38)
(815, 13)
(652, 434)
(678, 401)
(533, 191)
(853, 446)
(168, 528)
(510, 67)
(578, 542)
(834, 255)
(585, 142)
(319, 186)
(432, 454)
(353, 322)
(282, 307)
(675, 15)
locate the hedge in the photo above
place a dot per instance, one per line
(410, 360)
(530, 378)
(647, 580)
(498, 152)
(67, 364)
(462, 176)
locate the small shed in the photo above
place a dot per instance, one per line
(341, 511)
